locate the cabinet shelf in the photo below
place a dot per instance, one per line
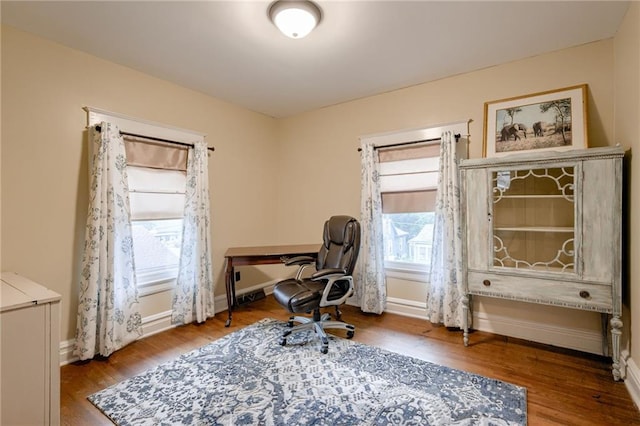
(530, 196)
(533, 269)
(562, 229)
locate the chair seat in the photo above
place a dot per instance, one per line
(304, 295)
(296, 296)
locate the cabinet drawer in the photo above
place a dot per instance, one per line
(589, 296)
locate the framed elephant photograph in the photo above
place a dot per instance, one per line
(552, 120)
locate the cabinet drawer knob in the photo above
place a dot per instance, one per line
(486, 283)
(585, 294)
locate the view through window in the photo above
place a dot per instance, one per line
(156, 246)
(408, 239)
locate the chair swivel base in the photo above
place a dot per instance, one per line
(318, 325)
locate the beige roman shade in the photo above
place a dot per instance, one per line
(409, 177)
(157, 179)
(156, 155)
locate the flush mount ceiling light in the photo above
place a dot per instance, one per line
(294, 18)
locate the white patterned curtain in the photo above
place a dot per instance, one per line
(108, 316)
(371, 285)
(445, 278)
(193, 299)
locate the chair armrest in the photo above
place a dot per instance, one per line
(298, 260)
(332, 276)
(302, 262)
(328, 274)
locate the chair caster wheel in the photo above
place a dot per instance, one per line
(290, 324)
(283, 341)
(324, 348)
(350, 334)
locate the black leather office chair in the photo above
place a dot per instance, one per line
(330, 285)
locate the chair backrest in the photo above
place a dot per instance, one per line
(341, 244)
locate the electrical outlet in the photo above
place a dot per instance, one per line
(237, 276)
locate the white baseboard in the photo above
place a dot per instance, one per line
(151, 325)
(156, 323)
(570, 338)
(581, 340)
(406, 308)
(631, 375)
(66, 352)
(161, 321)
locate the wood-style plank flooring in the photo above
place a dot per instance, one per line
(563, 387)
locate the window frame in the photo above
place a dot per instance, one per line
(401, 269)
(150, 129)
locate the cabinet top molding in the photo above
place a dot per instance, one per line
(544, 156)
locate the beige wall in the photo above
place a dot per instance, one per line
(44, 161)
(318, 150)
(319, 171)
(627, 131)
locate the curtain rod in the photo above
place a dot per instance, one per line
(457, 136)
(210, 148)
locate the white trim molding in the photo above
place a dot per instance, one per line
(161, 321)
(140, 126)
(429, 133)
(156, 323)
(418, 134)
(407, 275)
(151, 325)
(571, 338)
(631, 375)
(406, 308)
(66, 352)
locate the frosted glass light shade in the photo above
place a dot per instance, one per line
(295, 19)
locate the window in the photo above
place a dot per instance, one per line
(408, 182)
(157, 180)
(408, 185)
(157, 202)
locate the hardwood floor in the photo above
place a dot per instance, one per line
(563, 387)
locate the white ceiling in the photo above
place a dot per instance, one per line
(230, 50)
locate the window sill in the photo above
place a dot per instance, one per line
(157, 286)
(421, 276)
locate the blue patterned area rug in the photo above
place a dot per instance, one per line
(247, 378)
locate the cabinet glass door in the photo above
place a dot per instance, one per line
(534, 219)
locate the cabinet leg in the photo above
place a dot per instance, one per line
(616, 332)
(465, 320)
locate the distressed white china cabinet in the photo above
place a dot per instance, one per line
(545, 227)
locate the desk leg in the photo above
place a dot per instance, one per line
(231, 289)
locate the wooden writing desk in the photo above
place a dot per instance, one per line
(264, 255)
